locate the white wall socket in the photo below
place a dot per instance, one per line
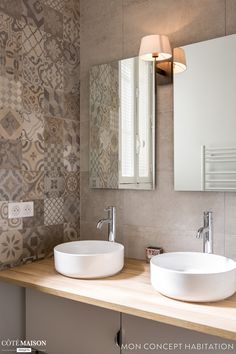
(20, 210)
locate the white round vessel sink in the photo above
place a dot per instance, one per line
(89, 259)
(193, 276)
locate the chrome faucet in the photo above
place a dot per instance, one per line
(111, 221)
(206, 232)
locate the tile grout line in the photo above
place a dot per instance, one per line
(225, 16)
(122, 27)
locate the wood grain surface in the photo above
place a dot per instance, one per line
(129, 292)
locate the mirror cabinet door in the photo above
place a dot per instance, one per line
(122, 125)
(205, 117)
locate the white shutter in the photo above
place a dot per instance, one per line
(144, 121)
(127, 120)
(136, 114)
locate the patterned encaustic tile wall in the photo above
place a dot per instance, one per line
(39, 125)
(104, 130)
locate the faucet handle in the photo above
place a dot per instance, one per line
(208, 213)
(109, 208)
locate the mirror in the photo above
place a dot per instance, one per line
(122, 125)
(205, 118)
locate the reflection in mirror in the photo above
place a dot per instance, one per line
(122, 125)
(205, 117)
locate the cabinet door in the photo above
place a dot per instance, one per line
(143, 336)
(12, 314)
(70, 327)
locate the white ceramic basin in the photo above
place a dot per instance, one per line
(89, 259)
(193, 276)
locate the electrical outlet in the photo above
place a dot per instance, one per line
(20, 210)
(13, 210)
(27, 209)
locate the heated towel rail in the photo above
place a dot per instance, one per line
(218, 168)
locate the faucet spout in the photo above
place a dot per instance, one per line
(111, 222)
(206, 233)
(102, 222)
(201, 231)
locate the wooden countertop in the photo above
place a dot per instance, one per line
(129, 292)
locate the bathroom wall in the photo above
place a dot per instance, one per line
(110, 30)
(39, 125)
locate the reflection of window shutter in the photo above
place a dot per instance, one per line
(144, 119)
(136, 79)
(127, 92)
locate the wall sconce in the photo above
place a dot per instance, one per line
(179, 60)
(155, 47)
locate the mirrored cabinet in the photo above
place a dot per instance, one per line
(205, 117)
(122, 125)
